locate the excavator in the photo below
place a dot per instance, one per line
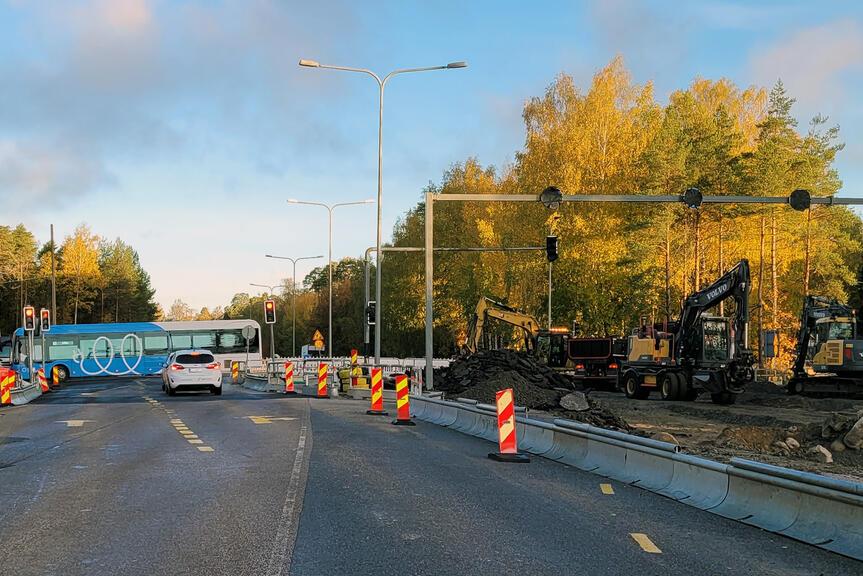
(698, 350)
(550, 346)
(829, 352)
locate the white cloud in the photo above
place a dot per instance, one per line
(812, 62)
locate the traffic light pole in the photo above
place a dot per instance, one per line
(549, 296)
(272, 344)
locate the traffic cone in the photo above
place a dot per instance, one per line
(377, 394)
(506, 430)
(322, 380)
(403, 416)
(289, 378)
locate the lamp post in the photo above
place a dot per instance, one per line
(272, 338)
(381, 84)
(330, 208)
(293, 296)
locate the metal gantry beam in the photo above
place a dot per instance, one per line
(552, 198)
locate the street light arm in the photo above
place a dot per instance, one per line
(293, 201)
(352, 203)
(363, 70)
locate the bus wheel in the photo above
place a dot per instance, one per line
(62, 372)
(669, 387)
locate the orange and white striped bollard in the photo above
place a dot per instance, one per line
(289, 378)
(377, 394)
(403, 402)
(322, 380)
(506, 430)
(42, 380)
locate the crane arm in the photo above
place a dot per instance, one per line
(485, 308)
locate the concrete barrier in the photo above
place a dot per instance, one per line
(824, 512)
(26, 393)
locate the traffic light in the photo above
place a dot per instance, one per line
(270, 312)
(370, 313)
(29, 318)
(551, 248)
(45, 315)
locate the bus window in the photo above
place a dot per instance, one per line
(231, 342)
(93, 347)
(206, 340)
(181, 340)
(62, 347)
(155, 343)
(131, 348)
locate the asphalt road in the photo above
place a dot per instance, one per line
(113, 477)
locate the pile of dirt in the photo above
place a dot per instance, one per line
(534, 385)
(468, 371)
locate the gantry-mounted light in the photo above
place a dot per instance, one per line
(692, 198)
(551, 198)
(800, 200)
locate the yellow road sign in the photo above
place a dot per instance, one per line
(318, 336)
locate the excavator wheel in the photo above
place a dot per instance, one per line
(723, 398)
(669, 386)
(633, 388)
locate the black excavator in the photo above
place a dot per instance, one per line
(829, 354)
(696, 352)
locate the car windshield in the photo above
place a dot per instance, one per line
(195, 358)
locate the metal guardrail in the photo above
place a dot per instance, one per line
(824, 512)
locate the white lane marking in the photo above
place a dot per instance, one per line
(74, 423)
(279, 557)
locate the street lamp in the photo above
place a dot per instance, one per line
(330, 208)
(272, 339)
(381, 84)
(293, 296)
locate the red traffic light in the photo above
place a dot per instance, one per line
(28, 312)
(269, 304)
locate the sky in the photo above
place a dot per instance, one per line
(184, 127)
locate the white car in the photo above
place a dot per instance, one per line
(192, 370)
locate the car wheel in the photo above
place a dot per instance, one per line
(217, 390)
(170, 390)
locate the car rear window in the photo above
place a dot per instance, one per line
(195, 359)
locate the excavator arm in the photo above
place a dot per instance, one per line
(733, 284)
(485, 308)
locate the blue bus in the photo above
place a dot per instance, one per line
(132, 348)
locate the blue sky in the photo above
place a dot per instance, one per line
(183, 127)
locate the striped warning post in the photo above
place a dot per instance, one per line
(322, 380)
(377, 394)
(7, 382)
(403, 402)
(506, 430)
(355, 371)
(55, 377)
(289, 378)
(42, 380)
(235, 372)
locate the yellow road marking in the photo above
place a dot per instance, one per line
(205, 449)
(268, 419)
(606, 488)
(176, 421)
(74, 423)
(646, 544)
(196, 441)
(186, 432)
(191, 436)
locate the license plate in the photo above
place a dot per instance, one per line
(194, 370)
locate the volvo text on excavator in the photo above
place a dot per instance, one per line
(698, 351)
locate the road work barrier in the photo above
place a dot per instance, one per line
(821, 511)
(403, 399)
(43, 382)
(377, 408)
(506, 436)
(55, 377)
(289, 378)
(7, 382)
(322, 379)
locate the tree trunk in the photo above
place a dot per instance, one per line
(697, 251)
(668, 270)
(721, 265)
(102, 313)
(808, 263)
(761, 295)
(77, 290)
(773, 283)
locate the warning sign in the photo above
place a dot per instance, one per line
(318, 336)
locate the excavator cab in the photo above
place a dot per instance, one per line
(552, 347)
(715, 343)
(831, 337)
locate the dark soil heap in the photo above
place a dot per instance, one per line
(534, 385)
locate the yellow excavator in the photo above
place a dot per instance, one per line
(550, 346)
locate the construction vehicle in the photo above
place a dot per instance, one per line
(596, 361)
(829, 353)
(698, 351)
(549, 345)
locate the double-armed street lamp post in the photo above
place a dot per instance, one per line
(330, 208)
(381, 84)
(293, 296)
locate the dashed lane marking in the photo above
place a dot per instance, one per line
(268, 419)
(645, 543)
(74, 423)
(205, 449)
(196, 441)
(606, 488)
